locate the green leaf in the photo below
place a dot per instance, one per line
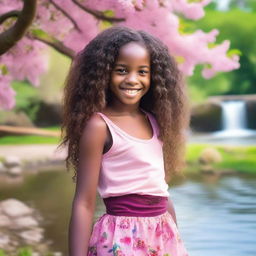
(109, 13)
(194, 1)
(105, 24)
(212, 45)
(179, 59)
(186, 27)
(4, 69)
(233, 52)
(207, 65)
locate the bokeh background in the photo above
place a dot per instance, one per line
(214, 200)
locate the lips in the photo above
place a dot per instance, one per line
(131, 92)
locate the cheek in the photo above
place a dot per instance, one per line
(115, 79)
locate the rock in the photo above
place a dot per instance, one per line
(251, 114)
(206, 117)
(25, 222)
(15, 171)
(32, 236)
(15, 208)
(209, 156)
(4, 240)
(35, 254)
(4, 221)
(11, 161)
(3, 169)
(48, 114)
(57, 254)
(15, 119)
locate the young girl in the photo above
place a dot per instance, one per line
(124, 120)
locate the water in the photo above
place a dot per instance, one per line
(215, 216)
(234, 120)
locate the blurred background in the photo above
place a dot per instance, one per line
(214, 201)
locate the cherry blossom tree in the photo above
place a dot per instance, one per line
(69, 25)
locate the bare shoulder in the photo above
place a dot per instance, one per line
(95, 130)
(96, 122)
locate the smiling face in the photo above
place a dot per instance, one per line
(130, 78)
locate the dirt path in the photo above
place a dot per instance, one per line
(28, 152)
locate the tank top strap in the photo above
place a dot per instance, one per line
(152, 121)
(114, 129)
(108, 122)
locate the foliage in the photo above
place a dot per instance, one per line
(68, 25)
(239, 26)
(27, 99)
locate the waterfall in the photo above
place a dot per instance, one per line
(234, 120)
(234, 115)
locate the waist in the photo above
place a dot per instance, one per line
(136, 205)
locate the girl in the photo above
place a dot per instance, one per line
(124, 120)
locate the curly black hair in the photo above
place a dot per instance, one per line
(86, 92)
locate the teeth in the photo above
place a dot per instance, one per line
(131, 92)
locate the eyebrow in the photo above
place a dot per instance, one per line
(123, 65)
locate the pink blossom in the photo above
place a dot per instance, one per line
(28, 59)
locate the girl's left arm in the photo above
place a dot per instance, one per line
(171, 210)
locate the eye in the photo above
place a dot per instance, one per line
(121, 71)
(143, 72)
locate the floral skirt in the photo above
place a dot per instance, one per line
(136, 236)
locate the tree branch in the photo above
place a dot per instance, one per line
(12, 35)
(97, 14)
(66, 15)
(10, 14)
(56, 44)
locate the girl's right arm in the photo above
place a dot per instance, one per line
(91, 149)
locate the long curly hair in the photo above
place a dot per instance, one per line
(87, 85)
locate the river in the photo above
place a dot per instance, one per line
(216, 216)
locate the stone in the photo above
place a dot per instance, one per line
(35, 254)
(25, 222)
(4, 221)
(11, 161)
(210, 156)
(15, 208)
(48, 114)
(13, 118)
(3, 169)
(4, 240)
(32, 236)
(206, 117)
(57, 254)
(15, 171)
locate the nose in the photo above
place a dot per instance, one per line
(131, 78)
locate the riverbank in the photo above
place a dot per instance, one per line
(204, 158)
(221, 159)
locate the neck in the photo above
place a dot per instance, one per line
(122, 109)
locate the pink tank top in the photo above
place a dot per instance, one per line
(132, 165)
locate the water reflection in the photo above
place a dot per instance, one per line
(215, 216)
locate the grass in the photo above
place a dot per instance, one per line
(238, 158)
(24, 251)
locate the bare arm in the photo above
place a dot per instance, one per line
(91, 149)
(171, 210)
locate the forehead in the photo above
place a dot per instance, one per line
(133, 52)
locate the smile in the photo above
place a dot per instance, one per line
(131, 92)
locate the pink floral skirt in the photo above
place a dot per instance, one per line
(136, 236)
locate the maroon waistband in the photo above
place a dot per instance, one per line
(136, 205)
